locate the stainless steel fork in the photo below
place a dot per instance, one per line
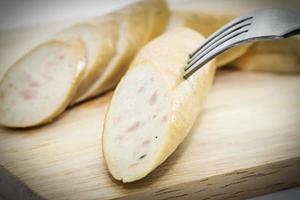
(265, 24)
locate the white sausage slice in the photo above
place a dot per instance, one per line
(139, 23)
(100, 42)
(40, 85)
(153, 107)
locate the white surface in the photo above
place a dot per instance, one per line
(290, 194)
(20, 13)
(17, 13)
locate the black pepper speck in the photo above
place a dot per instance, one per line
(143, 156)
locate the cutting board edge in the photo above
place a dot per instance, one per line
(12, 187)
(233, 184)
(274, 176)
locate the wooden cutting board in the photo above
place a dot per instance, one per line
(245, 143)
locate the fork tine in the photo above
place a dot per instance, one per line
(217, 40)
(231, 24)
(267, 24)
(214, 52)
(218, 37)
(217, 43)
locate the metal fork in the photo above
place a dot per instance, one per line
(265, 24)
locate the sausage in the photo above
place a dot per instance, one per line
(107, 44)
(153, 108)
(100, 43)
(281, 56)
(139, 23)
(41, 84)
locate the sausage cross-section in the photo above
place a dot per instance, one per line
(40, 85)
(102, 48)
(153, 107)
(139, 23)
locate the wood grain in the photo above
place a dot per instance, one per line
(245, 143)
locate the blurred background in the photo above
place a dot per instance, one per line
(17, 13)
